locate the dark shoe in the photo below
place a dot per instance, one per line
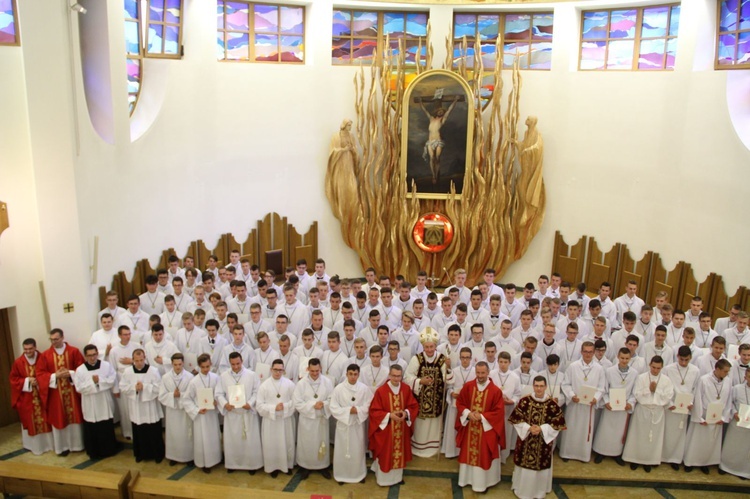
(274, 473)
(722, 472)
(64, 453)
(172, 463)
(688, 469)
(675, 467)
(341, 483)
(647, 469)
(362, 481)
(230, 471)
(564, 459)
(704, 469)
(207, 471)
(252, 472)
(304, 474)
(159, 460)
(138, 459)
(598, 459)
(401, 483)
(634, 466)
(619, 461)
(326, 474)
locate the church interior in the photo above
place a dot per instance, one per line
(125, 139)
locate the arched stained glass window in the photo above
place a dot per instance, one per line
(733, 34)
(134, 51)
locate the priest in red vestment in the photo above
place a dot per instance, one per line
(392, 413)
(29, 386)
(481, 431)
(63, 402)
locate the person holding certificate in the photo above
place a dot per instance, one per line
(684, 376)
(177, 423)
(734, 457)
(654, 393)
(236, 397)
(275, 405)
(619, 401)
(200, 405)
(711, 409)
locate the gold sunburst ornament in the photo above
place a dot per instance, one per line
(423, 148)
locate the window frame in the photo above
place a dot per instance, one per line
(736, 32)
(378, 60)
(16, 26)
(501, 33)
(164, 24)
(251, 33)
(138, 21)
(636, 39)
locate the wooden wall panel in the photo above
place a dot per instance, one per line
(568, 260)
(250, 247)
(601, 266)
(692, 288)
(200, 254)
(638, 271)
(305, 252)
(721, 302)
(663, 280)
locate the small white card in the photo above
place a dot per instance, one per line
(744, 414)
(681, 402)
(406, 353)
(191, 362)
(617, 399)
(206, 398)
(733, 352)
(586, 394)
(263, 371)
(477, 354)
(303, 362)
(236, 394)
(526, 390)
(714, 412)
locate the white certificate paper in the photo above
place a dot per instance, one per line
(477, 354)
(191, 362)
(617, 399)
(681, 402)
(744, 414)
(303, 362)
(263, 371)
(733, 352)
(714, 412)
(586, 394)
(236, 395)
(206, 398)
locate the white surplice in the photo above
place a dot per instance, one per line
(351, 430)
(610, 432)
(646, 433)
(734, 454)
(579, 418)
(684, 380)
(703, 445)
(278, 428)
(206, 434)
(242, 442)
(461, 376)
(178, 438)
(313, 434)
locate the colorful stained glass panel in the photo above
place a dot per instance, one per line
(743, 48)
(622, 23)
(238, 16)
(593, 54)
(156, 10)
(341, 23)
(7, 22)
(655, 21)
(541, 55)
(595, 25)
(266, 47)
(220, 46)
(292, 20)
(292, 49)
(518, 27)
(728, 15)
(172, 11)
(393, 24)
(488, 26)
(543, 25)
(620, 54)
(726, 49)
(489, 50)
(745, 14)
(674, 21)
(364, 50)
(465, 25)
(671, 52)
(131, 9)
(155, 38)
(416, 24)
(132, 39)
(513, 50)
(365, 24)
(237, 46)
(220, 15)
(652, 54)
(171, 42)
(266, 19)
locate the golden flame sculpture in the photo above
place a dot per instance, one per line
(502, 203)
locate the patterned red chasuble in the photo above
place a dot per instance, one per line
(397, 457)
(38, 423)
(431, 398)
(67, 409)
(534, 453)
(476, 429)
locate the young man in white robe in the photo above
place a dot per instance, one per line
(152, 301)
(275, 404)
(312, 396)
(463, 373)
(137, 320)
(375, 373)
(121, 357)
(212, 344)
(612, 428)
(334, 360)
(236, 395)
(740, 333)
(139, 385)
(206, 433)
(112, 307)
(171, 318)
(178, 425)
(740, 366)
(349, 405)
(306, 347)
(239, 346)
(684, 376)
(510, 384)
(255, 325)
(94, 380)
(724, 323)
(106, 337)
(703, 447)
(659, 347)
(706, 364)
(653, 394)
(159, 350)
(579, 413)
(734, 457)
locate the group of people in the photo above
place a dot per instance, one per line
(230, 373)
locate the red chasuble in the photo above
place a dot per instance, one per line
(63, 402)
(31, 406)
(479, 447)
(392, 445)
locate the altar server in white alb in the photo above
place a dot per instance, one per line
(312, 397)
(200, 404)
(350, 405)
(159, 350)
(684, 376)
(121, 358)
(139, 385)
(581, 376)
(94, 380)
(461, 375)
(653, 394)
(275, 404)
(236, 395)
(711, 409)
(734, 455)
(174, 386)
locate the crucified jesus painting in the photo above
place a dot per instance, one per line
(433, 148)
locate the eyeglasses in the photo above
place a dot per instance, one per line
(277, 370)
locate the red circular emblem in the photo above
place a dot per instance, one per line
(433, 232)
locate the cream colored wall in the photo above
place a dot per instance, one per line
(649, 159)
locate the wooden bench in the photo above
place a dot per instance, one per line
(55, 482)
(154, 488)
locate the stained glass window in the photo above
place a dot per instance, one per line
(134, 51)
(643, 38)
(733, 34)
(164, 34)
(260, 32)
(9, 23)
(527, 36)
(357, 35)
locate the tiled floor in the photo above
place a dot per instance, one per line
(425, 478)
